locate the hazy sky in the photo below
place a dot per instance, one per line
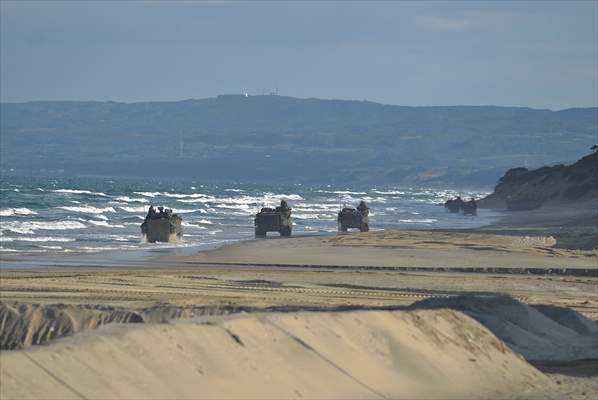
(536, 54)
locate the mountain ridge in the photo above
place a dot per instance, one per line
(271, 137)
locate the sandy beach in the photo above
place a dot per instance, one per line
(360, 315)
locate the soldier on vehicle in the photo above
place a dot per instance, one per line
(161, 226)
(362, 206)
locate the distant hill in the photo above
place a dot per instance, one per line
(569, 184)
(277, 138)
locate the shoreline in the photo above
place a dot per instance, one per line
(572, 229)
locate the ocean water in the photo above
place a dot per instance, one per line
(42, 216)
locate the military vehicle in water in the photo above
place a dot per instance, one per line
(274, 220)
(350, 217)
(469, 207)
(454, 205)
(161, 226)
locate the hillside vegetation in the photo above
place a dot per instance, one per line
(277, 138)
(573, 183)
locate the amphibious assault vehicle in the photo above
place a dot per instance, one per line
(467, 207)
(161, 226)
(350, 217)
(274, 220)
(453, 205)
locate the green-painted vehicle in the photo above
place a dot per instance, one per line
(274, 220)
(162, 226)
(350, 217)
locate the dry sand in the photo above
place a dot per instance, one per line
(425, 249)
(340, 353)
(423, 354)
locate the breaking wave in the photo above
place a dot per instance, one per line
(88, 209)
(77, 191)
(105, 224)
(128, 199)
(140, 209)
(36, 239)
(29, 227)
(10, 212)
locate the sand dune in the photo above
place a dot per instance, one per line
(23, 325)
(371, 354)
(459, 347)
(540, 332)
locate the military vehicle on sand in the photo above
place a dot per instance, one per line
(350, 217)
(274, 220)
(161, 226)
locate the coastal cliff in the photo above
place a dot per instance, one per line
(521, 188)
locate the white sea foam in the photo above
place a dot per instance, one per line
(198, 201)
(147, 194)
(77, 191)
(140, 209)
(29, 227)
(346, 192)
(314, 216)
(293, 197)
(91, 249)
(234, 206)
(190, 225)
(388, 192)
(88, 209)
(183, 211)
(128, 199)
(10, 212)
(124, 238)
(185, 196)
(50, 247)
(175, 195)
(36, 239)
(419, 221)
(104, 223)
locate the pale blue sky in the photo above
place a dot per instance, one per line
(536, 54)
